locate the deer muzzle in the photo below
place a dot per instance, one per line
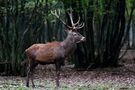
(83, 39)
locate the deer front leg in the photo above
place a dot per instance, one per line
(58, 66)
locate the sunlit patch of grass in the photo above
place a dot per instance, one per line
(98, 87)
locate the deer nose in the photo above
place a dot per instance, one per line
(83, 39)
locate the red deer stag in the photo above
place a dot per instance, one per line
(54, 52)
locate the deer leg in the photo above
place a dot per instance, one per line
(63, 72)
(58, 66)
(28, 76)
(32, 71)
(63, 64)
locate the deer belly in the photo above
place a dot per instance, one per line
(46, 58)
(44, 63)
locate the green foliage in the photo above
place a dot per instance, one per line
(129, 5)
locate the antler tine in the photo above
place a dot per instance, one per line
(77, 21)
(57, 16)
(80, 26)
(71, 17)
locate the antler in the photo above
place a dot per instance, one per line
(80, 26)
(75, 25)
(57, 16)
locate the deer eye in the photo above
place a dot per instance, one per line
(75, 34)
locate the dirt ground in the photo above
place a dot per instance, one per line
(120, 78)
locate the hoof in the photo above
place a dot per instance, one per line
(27, 85)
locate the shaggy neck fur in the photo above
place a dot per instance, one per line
(69, 45)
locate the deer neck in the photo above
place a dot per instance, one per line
(69, 45)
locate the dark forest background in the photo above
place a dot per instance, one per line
(25, 22)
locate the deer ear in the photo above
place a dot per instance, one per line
(67, 30)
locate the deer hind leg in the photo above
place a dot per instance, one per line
(32, 71)
(31, 67)
(28, 76)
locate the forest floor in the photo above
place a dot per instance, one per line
(120, 78)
